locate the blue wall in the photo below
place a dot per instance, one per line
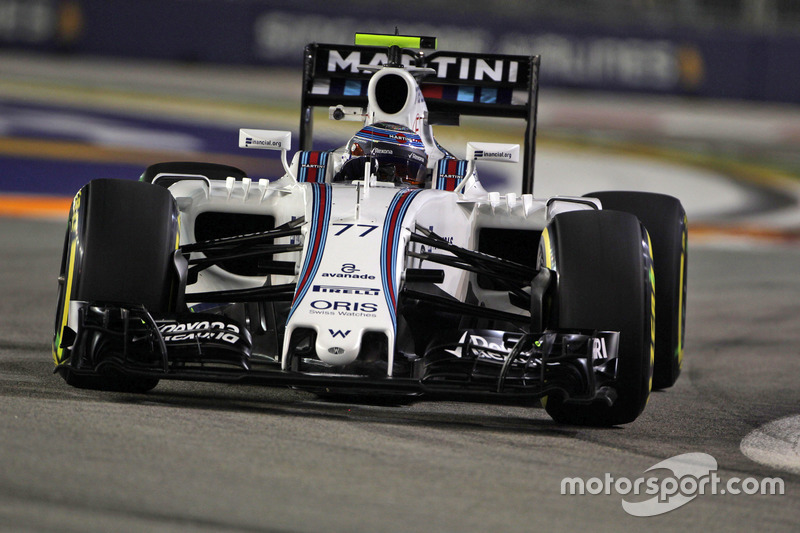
(678, 61)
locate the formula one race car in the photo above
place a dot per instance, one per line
(381, 267)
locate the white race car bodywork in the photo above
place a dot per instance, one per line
(352, 264)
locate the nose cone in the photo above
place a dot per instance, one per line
(338, 347)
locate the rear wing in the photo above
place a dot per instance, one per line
(463, 84)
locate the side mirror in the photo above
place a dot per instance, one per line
(504, 153)
(268, 140)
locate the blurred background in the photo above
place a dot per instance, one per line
(712, 48)
(709, 89)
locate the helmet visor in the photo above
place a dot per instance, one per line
(405, 168)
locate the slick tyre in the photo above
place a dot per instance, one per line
(665, 220)
(605, 282)
(119, 245)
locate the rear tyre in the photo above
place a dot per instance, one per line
(665, 220)
(118, 250)
(604, 283)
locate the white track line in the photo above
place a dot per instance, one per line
(776, 444)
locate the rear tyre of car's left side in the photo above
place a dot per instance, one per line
(665, 220)
(119, 248)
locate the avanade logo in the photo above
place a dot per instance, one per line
(692, 475)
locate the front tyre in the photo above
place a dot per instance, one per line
(119, 245)
(605, 282)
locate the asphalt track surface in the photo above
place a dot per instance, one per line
(207, 457)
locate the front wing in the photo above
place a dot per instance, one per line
(128, 341)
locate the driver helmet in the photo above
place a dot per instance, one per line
(396, 155)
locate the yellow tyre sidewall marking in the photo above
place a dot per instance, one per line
(652, 278)
(548, 262)
(58, 351)
(681, 294)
